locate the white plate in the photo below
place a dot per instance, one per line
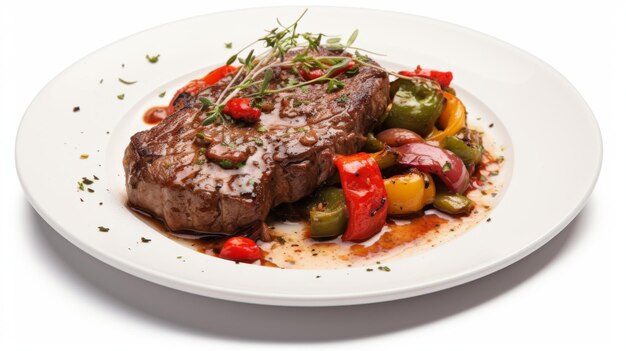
(553, 153)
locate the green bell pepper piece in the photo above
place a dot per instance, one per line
(328, 213)
(416, 105)
(453, 203)
(471, 156)
(373, 144)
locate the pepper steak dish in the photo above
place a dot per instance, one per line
(367, 158)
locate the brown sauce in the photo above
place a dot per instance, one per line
(399, 235)
(155, 115)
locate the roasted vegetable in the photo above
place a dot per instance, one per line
(328, 213)
(409, 193)
(453, 203)
(365, 195)
(398, 137)
(452, 119)
(416, 105)
(373, 144)
(242, 249)
(197, 85)
(431, 159)
(470, 155)
(385, 158)
(467, 144)
(443, 78)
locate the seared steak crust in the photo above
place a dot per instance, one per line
(282, 158)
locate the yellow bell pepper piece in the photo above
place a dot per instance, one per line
(407, 193)
(452, 119)
(430, 191)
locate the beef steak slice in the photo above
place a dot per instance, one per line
(283, 158)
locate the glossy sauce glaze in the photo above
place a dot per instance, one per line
(155, 115)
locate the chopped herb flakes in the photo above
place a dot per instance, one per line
(179, 257)
(84, 156)
(103, 229)
(145, 240)
(228, 45)
(91, 190)
(120, 97)
(342, 99)
(261, 129)
(87, 181)
(494, 173)
(205, 102)
(446, 167)
(281, 240)
(127, 82)
(369, 270)
(226, 163)
(153, 59)
(162, 94)
(384, 269)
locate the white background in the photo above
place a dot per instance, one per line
(570, 292)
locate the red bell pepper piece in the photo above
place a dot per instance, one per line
(197, 85)
(240, 109)
(241, 249)
(318, 72)
(443, 78)
(431, 159)
(365, 195)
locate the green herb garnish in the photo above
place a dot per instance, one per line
(162, 94)
(384, 269)
(226, 163)
(120, 97)
(103, 229)
(228, 45)
(145, 240)
(446, 167)
(342, 99)
(127, 82)
(153, 59)
(334, 85)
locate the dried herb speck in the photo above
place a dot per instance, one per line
(103, 229)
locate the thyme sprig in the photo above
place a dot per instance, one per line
(256, 71)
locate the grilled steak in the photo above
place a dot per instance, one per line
(232, 174)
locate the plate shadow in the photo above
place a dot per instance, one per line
(188, 313)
